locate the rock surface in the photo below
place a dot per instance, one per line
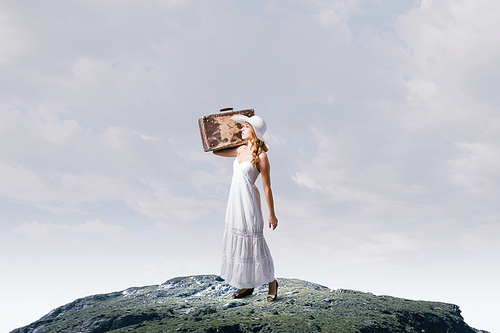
(204, 304)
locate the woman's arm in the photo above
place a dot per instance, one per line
(228, 152)
(265, 170)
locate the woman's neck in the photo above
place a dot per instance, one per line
(250, 145)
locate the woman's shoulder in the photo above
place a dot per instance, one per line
(263, 156)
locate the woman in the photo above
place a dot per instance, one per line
(246, 259)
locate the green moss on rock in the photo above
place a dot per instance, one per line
(204, 304)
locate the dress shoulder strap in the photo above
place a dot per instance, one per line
(238, 150)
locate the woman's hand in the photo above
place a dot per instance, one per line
(273, 222)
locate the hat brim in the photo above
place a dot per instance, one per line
(239, 118)
(242, 119)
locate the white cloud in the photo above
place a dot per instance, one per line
(48, 232)
(11, 38)
(335, 14)
(477, 170)
(450, 41)
(329, 18)
(144, 137)
(58, 165)
(113, 233)
(304, 179)
(173, 209)
(19, 183)
(57, 131)
(37, 231)
(425, 90)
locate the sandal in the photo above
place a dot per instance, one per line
(272, 298)
(247, 292)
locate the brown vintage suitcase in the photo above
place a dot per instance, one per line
(218, 131)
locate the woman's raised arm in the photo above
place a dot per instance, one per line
(228, 152)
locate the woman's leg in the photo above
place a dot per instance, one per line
(243, 293)
(273, 291)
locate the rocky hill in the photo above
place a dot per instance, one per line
(204, 304)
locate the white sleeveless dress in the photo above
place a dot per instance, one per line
(246, 259)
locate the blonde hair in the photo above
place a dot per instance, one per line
(258, 147)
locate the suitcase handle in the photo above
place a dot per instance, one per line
(226, 109)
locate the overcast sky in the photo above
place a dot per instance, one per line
(383, 121)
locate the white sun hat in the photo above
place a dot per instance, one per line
(258, 124)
